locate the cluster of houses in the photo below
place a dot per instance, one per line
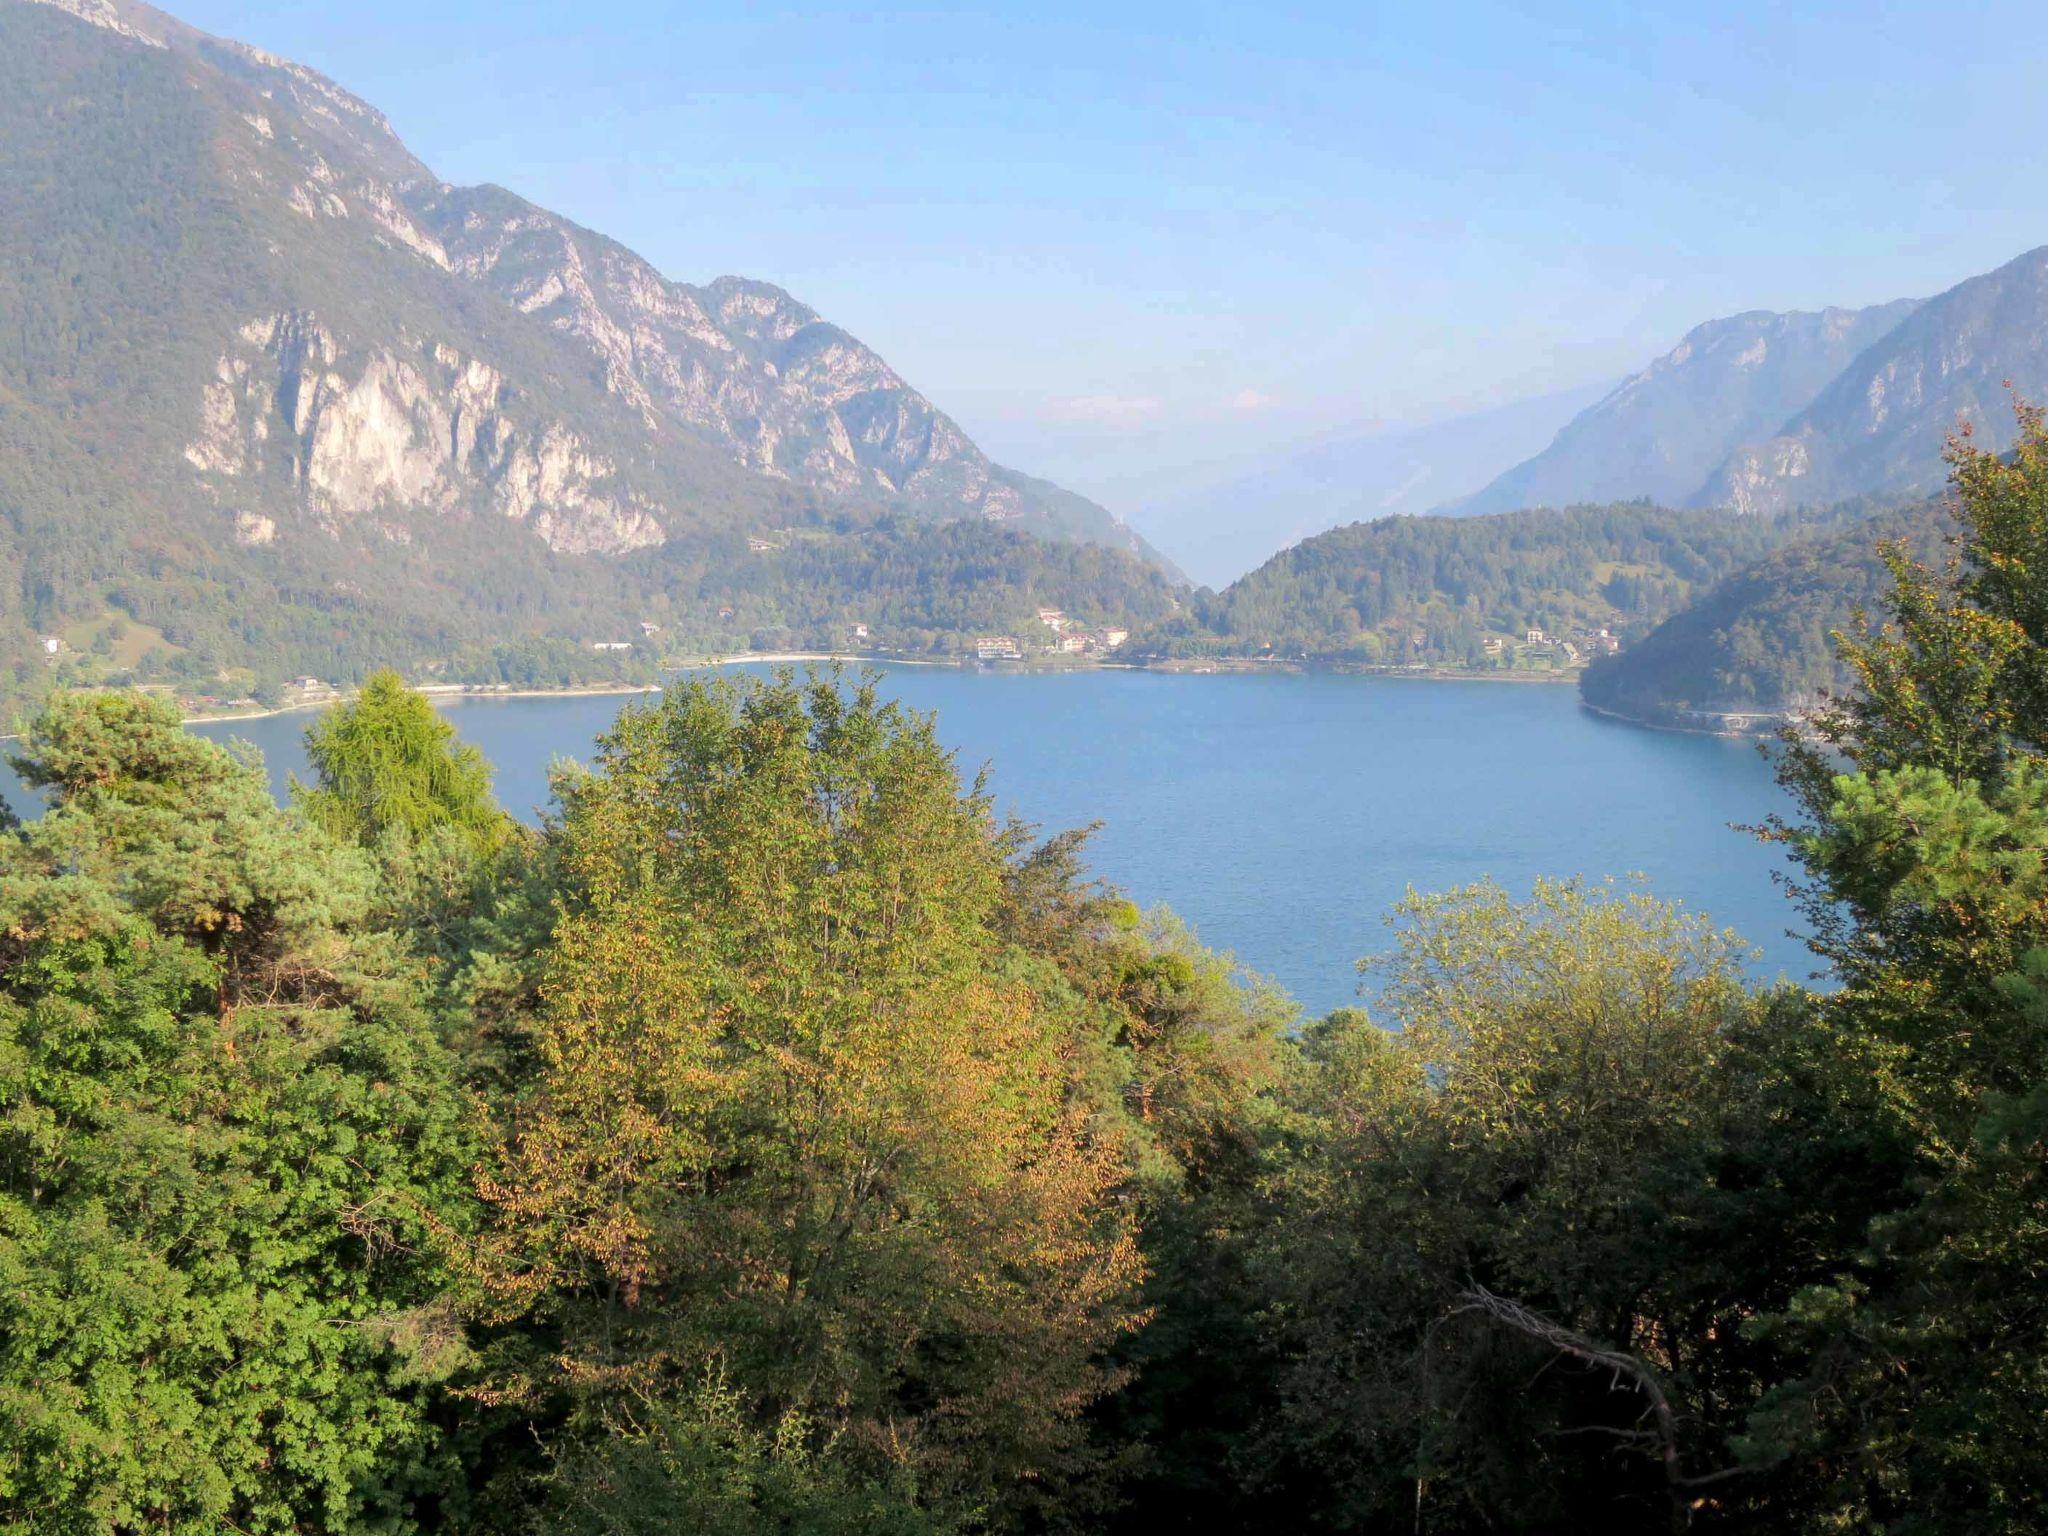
(1069, 637)
(1573, 650)
(648, 630)
(1066, 637)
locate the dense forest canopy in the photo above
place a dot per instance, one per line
(1467, 592)
(776, 1142)
(1762, 640)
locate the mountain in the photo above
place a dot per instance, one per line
(1879, 426)
(1661, 433)
(1219, 530)
(1758, 646)
(1465, 592)
(264, 378)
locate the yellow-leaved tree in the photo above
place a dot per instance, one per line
(798, 1122)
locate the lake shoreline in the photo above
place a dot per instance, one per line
(1252, 666)
(1777, 724)
(444, 692)
(1218, 667)
(1281, 817)
(435, 693)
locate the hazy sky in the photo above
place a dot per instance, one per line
(1115, 240)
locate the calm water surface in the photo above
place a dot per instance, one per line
(1283, 815)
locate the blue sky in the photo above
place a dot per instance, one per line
(1114, 240)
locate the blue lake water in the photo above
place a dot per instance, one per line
(1282, 815)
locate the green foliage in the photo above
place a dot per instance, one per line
(388, 765)
(702, 1465)
(1923, 803)
(776, 1143)
(1763, 639)
(1555, 1074)
(225, 1124)
(1433, 590)
(793, 1110)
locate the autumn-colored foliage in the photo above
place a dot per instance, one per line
(791, 1111)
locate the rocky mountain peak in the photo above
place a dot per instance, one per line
(1878, 426)
(613, 381)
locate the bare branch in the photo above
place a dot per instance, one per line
(1621, 1367)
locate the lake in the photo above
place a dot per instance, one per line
(1283, 814)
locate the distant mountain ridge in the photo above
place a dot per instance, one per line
(1763, 411)
(1663, 433)
(1880, 424)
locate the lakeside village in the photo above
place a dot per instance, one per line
(122, 653)
(1068, 637)
(1573, 651)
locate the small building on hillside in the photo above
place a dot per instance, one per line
(1536, 637)
(1052, 618)
(1112, 638)
(611, 645)
(860, 631)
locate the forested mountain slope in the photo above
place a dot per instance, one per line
(1468, 591)
(1760, 644)
(269, 386)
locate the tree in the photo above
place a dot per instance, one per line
(796, 1115)
(387, 764)
(701, 1463)
(224, 1126)
(1923, 1404)
(1468, 1225)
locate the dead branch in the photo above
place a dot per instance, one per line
(1478, 1301)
